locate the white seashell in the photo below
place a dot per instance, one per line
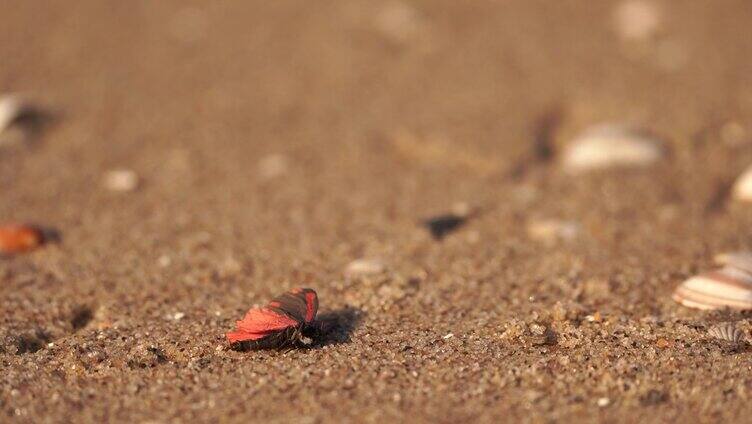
(549, 230)
(739, 260)
(121, 180)
(364, 267)
(608, 146)
(636, 19)
(10, 109)
(742, 189)
(727, 287)
(727, 331)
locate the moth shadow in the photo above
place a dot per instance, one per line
(336, 327)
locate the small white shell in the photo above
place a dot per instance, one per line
(727, 331)
(636, 19)
(610, 146)
(121, 180)
(727, 287)
(742, 189)
(364, 267)
(10, 108)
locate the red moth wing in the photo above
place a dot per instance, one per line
(259, 323)
(300, 304)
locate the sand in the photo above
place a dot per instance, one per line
(276, 142)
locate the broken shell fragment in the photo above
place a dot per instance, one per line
(727, 331)
(611, 146)
(730, 286)
(17, 238)
(742, 190)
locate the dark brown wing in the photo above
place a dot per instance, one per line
(299, 304)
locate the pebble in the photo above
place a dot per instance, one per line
(611, 146)
(636, 20)
(121, 180)
(441, 225)
(164, 261)
(448, 336)
(742, 189)
(364, 267)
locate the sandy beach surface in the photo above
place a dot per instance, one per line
(275, 142)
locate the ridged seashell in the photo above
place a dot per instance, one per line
(727, 331)
(17, 238)
(363, 267)
(729, 286)
(610, 146)
(742, 189)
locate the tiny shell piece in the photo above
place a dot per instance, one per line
(610, 146)
(727, 287)
(16, 238)
(10, 109)
(364, 267)
(636, 19)
(742, 190)
(121, 180)
(727, 331)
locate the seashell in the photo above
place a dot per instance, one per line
(726, 287)
(742, 189)
(609, 146)
(727, 331)
(636, 19)
(17, 238)
(11, 108)
(121, 180)
(363, 267)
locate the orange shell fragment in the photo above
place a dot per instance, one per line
(17, 238)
